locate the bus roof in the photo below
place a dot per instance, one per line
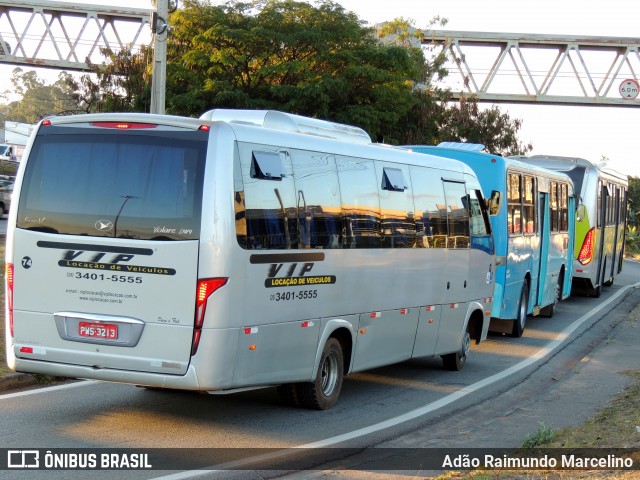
(567, 164)
(348, 140)
(291, 123)
(470, 152)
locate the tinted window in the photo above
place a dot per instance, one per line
(623, 210)
(266, 165)
(514, 203)
(528, 204)
(554, 206)
(144, 184)
(270, 209)
(360, 202)
(577, 176)
(318, 200)
(479, 222)
(564, 207)
(430, 208)
(457, 215)
(599, 211)
(396, 208)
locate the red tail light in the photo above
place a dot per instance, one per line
(588, 246)
(204, 290)
(9, 278)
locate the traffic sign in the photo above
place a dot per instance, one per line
(629, 89)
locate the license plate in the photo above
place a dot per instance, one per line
(107, 331)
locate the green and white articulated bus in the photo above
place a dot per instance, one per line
(243, 249)
(601, 220)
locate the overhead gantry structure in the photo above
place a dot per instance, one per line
(63, 35)
(52, 34)
(537, 68)
(492, 67)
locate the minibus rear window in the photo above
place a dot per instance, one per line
(138, 184)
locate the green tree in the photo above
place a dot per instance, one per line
(36, 98)
(121, 84)
(316, 60)
(467, 122)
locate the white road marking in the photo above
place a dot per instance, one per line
(391, 422)
(418, 412)
(37, 391)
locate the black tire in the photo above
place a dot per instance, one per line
(457, 360)
(323, 392)
(521, 320)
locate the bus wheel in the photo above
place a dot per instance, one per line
(456, 361)
(323, 392)
(521, 319)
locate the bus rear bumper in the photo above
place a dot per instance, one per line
(189, 381)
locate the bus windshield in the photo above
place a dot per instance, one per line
(577, 176)
(112, 183)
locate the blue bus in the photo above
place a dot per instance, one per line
(533, 222)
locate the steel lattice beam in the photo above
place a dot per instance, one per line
(530, 68)
(64, 35)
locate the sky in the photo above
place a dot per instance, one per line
(588, 132)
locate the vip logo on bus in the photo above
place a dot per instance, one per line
(294, 274)
(104, 258)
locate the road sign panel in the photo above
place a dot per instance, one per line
(629, 89)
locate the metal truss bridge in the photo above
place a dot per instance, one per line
(494, 67)
(44, 33)
(530, 68)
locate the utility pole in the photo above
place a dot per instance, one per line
(160, 28)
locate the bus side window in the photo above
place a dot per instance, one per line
(318, 199)
(554, 207)
(564, 207)
(457, 215)
(396, 207)
(479, 223)
(529, 195)
(599, 205)
(360, 203)
(269, 198)
(514, 204)
(430, 208)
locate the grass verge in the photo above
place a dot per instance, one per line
(616, 425)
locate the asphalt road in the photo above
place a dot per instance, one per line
(377, 406)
